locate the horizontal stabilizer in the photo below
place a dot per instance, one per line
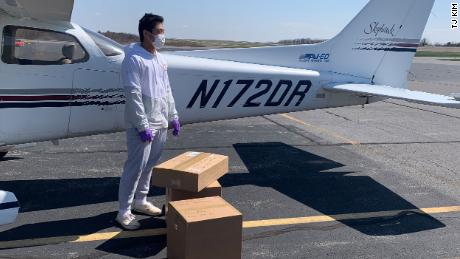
(396, 93)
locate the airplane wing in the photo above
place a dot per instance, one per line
(396, 93)
(58, 10)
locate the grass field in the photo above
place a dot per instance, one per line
(439, 52)
(436, 54)
(124, 38)
(214, 43)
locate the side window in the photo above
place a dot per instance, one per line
(29, 46)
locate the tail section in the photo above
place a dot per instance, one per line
(377, 46)
(381, 41)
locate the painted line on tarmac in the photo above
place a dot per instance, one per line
(80, 239)
(323, 130)
(246, 224)
(342, 217)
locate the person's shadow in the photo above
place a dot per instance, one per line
(46, 194)
(69, 230)
(6, 158)
(311, 180)
(140, 247)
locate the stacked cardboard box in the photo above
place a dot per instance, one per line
(206, 228)
(214, 189)
(200, 223)
(191, 175)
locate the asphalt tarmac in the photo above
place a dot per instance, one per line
(374, 182)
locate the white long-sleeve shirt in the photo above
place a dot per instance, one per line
(149, 99)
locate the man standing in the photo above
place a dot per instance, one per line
(149, 109)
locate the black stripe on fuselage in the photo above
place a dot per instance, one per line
(400, 49)
(389, 49)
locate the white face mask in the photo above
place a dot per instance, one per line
(159, 41)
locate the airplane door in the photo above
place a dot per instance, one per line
(98, 105)
(36, 74)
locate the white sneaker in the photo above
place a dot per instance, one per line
(147, 208)
(127, 221)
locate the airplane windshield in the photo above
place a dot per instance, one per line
(108, 46)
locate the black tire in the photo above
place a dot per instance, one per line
(3, 154)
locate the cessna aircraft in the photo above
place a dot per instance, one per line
(59, 80)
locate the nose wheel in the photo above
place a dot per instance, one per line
(3, 154)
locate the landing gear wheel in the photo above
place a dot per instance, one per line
(3, 154)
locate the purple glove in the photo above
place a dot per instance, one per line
(146, 136)
(176, 127)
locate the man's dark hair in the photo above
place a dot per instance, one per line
(148, 22)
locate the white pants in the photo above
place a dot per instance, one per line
(142, 157)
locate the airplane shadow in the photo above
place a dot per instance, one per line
(302, 176)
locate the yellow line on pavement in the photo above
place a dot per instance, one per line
(121, 235)
(79, 239)
(438, 210)
(247, 224)
(351, 216)
(323, 130)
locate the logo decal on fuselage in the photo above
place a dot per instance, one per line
(376, 29)
(315, 58)
(383, 37)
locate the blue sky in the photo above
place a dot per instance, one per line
(250, 20)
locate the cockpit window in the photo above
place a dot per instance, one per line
(30, 46)
(108, 46)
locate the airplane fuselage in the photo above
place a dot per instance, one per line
(46, 101)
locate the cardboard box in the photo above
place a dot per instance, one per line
(214, 189)
(204, 228)
(192, 171)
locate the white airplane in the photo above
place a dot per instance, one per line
(59, 80)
